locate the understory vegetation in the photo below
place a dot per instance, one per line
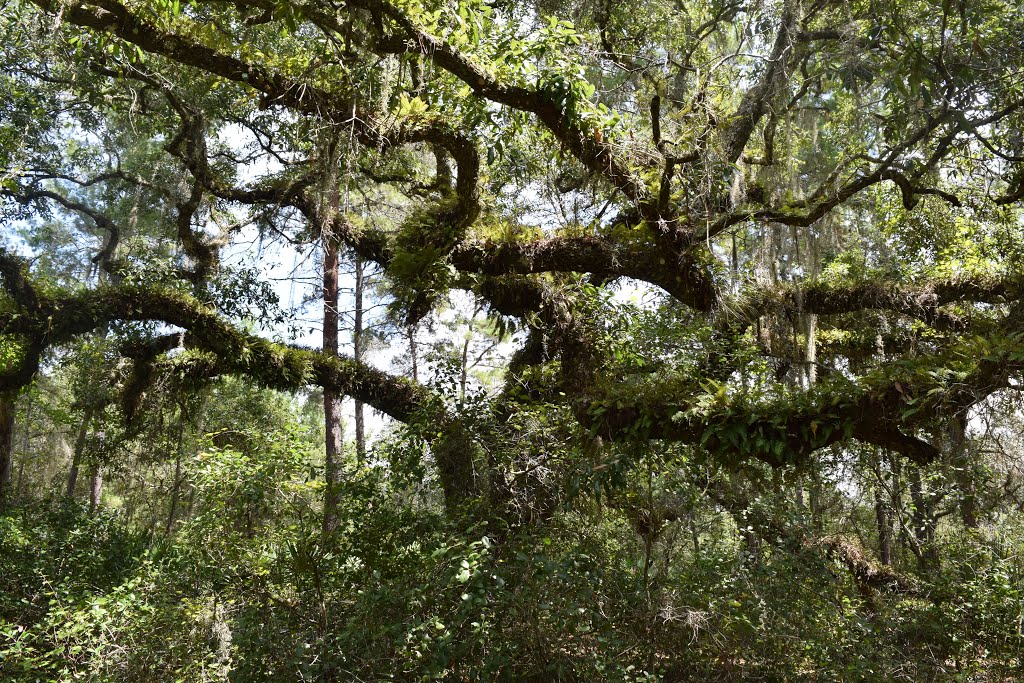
(245, 588)
(214, 567)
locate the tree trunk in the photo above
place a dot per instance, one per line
(455, 455)
(969, 508)
(19, 489)
(96, 487)
(815, 493)
(26, 445)
(333, 443)
(811, 349)
(76, 459)
(694, 534)
(753, 549)
(8, 405)
(175, 492)
(884, 529)
(960, 456)
(923, 520)
(410, 333)
(883, 509)
(332, 403)
(357, 351)
(464, 371)
(178, 480)
(464, 360)
(190, 506)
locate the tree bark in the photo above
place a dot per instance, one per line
(191, 502)
(455, 454)
(884, 529)
(333, 437)
(464, 359)
(8, 406)
(960, 456)
(923, 520)
(96, 487)
(176, 489)
(814, 500)
(410, 333)
(969, 507)
(357, 352)
(178, 480)
(464, 370)
(26, 445)
(76, 458)
(885, 507)
(19, 490)
(811, 349)
(332, 403)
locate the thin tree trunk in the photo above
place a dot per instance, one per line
(810, 377)
(811, 349)
(884, 529)
(694, 535)
(129, 508)
(76, 458)
(410, 333)
(463, 374)
(8, 407)
(753, 552)
(196, 441)
(735, 262)
(964, 467)
(883, 514)
(357, 351)
(175, 492)
(815, 493)
(19, 490)
(179, 452)
(897, 510)
(969, 508)
(332, 404)
(26, 444)
(96, 487)
(191, 502)
(923, 520)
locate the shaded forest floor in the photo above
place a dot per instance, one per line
(400, 596)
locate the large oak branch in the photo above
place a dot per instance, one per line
(59, 320)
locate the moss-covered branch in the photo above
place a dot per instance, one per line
(889, 408)
(61, 318)
(919, 300)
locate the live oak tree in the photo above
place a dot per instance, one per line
(750, 271)
(821, 199)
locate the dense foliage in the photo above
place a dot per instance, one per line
(692, 334)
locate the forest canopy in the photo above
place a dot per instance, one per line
(653, 341)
